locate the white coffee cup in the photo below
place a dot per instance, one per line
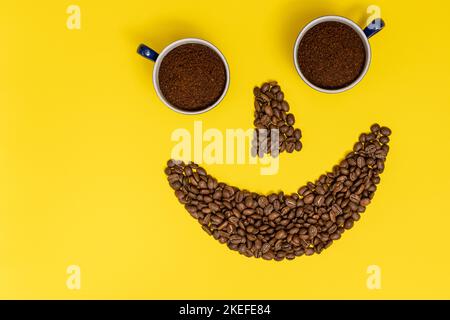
(374, 27)
(152, 55)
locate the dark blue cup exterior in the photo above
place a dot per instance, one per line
(147, 52)
(374, 27)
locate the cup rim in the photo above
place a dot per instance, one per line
(355, 27)
(169, 48)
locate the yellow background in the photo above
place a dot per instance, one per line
(84, 141)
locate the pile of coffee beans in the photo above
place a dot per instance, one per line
(271, 112)
(331, 55)
(192, 77)
(278, 225)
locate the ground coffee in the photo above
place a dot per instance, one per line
(331, 55)
(192, 77)
(278, 225)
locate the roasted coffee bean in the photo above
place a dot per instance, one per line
(290, 119)
(348, 224)
(289, 133)
(309, 198)
(385, 131)
(297, 134)
(360, 162)
(265, 87)
(312, 231)
(291, 202)
(275, 89)
(358, 146)
(290, 147)
(285, 106)
(375, 128)
(302, 191)
(268, 110)
(265, 248)
(384, 140)
(319, 200)
(335, 236)
(281, 234)
(273, 215)
(263, 202)
(354, 198)
(278, 225)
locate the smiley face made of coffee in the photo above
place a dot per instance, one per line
(331, 54)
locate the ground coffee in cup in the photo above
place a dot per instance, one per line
(331, 55)
(192, 77)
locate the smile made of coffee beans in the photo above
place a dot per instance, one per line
(271, 112)
(279, 226)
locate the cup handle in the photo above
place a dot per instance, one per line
(374, 27)
(147, 52)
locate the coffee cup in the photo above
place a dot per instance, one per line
(158, 58)
(364, 34)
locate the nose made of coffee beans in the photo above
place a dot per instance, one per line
(272, 113)
(282, 226)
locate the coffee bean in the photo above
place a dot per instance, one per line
(319, 200)
(384, 140)
(308, 199)
(273, 215)
(268, 110)
(348, 223)
(268, 256)
(375, 128)
(312, 231)
(263, 202)
(302, 191)
(289, 133)
(265, 87)
(360, 162)
(265, 248)
(275, 89)
(290, 119)
(354, 198)
(290, 202)
(213, 206)
(358, 146)
(285, 106)
(290, 147)
(370, 137)
(281, 234)
(280, 96)
(385, 131)
(335, 236)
